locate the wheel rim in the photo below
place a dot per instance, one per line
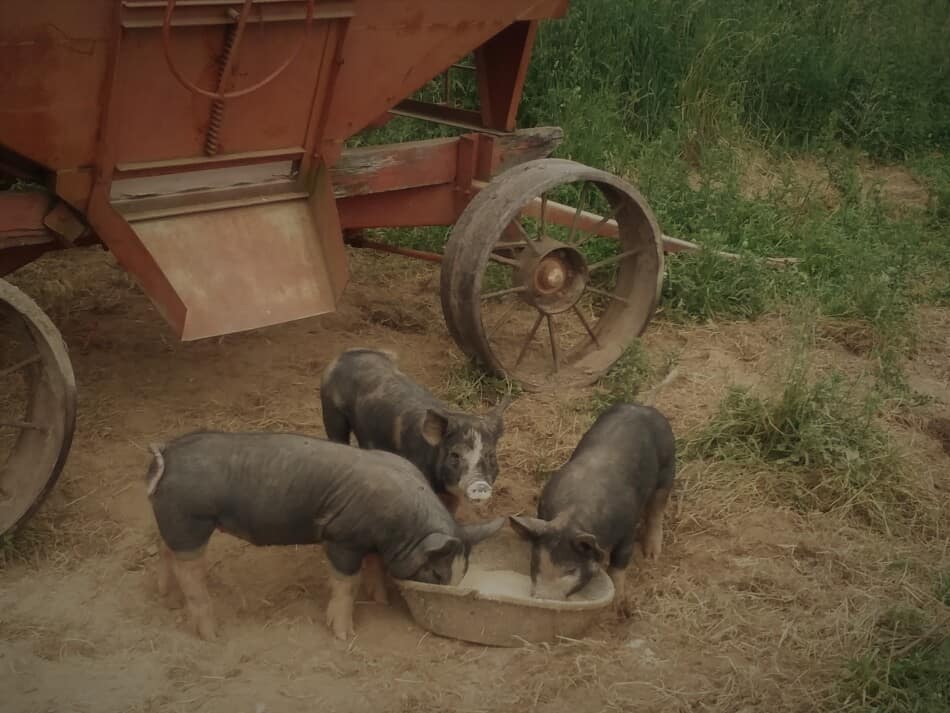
(37, 406)
(533, 291)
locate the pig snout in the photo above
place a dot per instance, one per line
(478, 491)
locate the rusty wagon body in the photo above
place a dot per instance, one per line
(205, 144)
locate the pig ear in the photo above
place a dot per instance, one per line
(434, 426)
(585, 544)
(439, 545)
(530, 528)
(473, 534)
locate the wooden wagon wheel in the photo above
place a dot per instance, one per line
(37, 406)
(531, 288)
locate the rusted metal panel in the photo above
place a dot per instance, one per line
(205, 163)
(118, 235)
(441, 114)
(54, 56)
(151, 13)
(74, 186)
(393, 48)
(148, 96)
(64, 224)
(426, 205)
(21, 215)
(502, 65)
(243, 268)
(324, 209)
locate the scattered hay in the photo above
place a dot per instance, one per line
(856, 336)
(399, 318)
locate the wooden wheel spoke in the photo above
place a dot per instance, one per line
(611, 260)
(611, 295)
(544, 206)
(20, 365)
(525, 238)
(513, 245)
(501, 320)
(594, 232)
(555, 356)
(577, 213)
(502, 293)
(527, 342)
(580, 316)
(504, 260)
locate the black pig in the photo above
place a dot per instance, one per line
(364, 392)
(589, 509)
(288, 489)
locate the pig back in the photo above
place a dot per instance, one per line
(614, 469)
(282, 488)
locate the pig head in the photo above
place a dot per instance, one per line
(440, 558)
(564, 557)
(463, 450)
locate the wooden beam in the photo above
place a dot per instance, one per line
(591, 222)
(415, 164)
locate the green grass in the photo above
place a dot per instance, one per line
(916, 682)
(472, 389)
(702, 286)
(623, 380)
(798, 74)
(819, 442)
(942, 588)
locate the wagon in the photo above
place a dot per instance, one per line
(219, 150)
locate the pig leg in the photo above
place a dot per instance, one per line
(340, 608)
(344, 579)
(653, 523)
(374, 579)
(335, 423)
(191, 572)
(167, 583)
(620, 558)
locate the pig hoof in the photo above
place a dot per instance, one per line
(340, 624)
(206, 630)
(623, 608)
(341, 629)
(651, 549)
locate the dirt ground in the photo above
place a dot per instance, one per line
(752, 606)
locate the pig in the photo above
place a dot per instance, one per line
(588, 512)
(290, 489)
(363, 392)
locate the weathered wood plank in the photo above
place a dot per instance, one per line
(393, 167)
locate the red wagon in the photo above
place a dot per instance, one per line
(204, 143)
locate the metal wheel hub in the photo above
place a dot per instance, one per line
(555, 275)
